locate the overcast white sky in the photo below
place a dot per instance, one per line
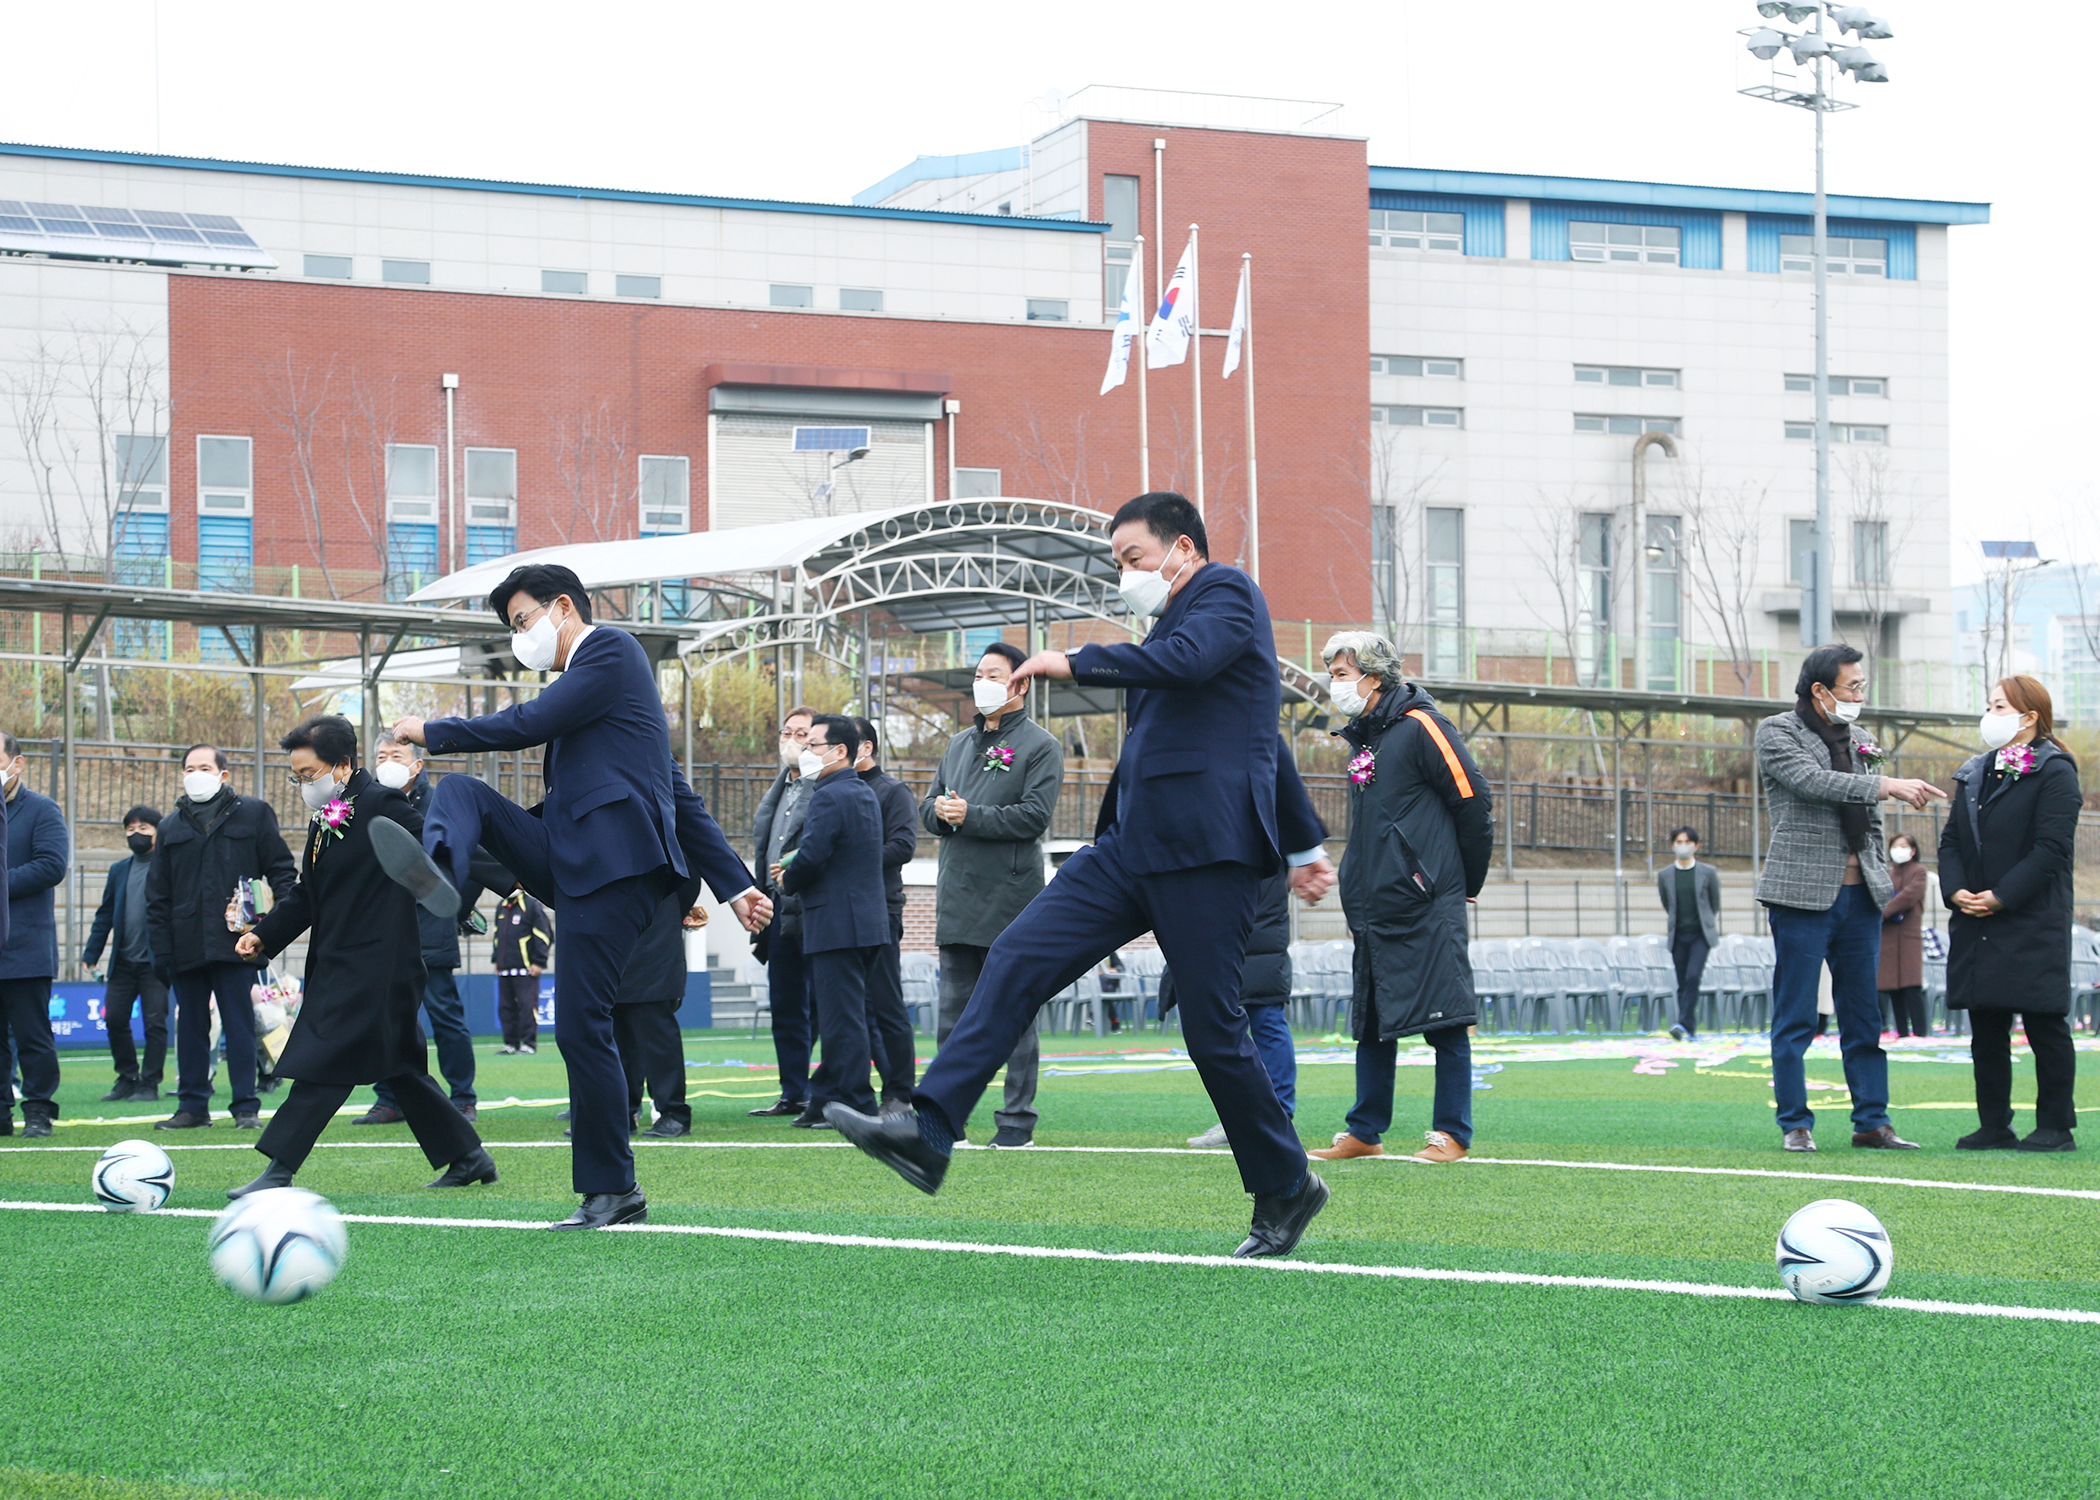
(820, 99)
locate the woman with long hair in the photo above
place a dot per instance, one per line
(1902, 977)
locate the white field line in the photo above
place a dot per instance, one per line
(1161, 1258)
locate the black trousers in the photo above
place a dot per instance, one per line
(838, 984)
(129, 982)
(1908, 1012)
(896, 1058)
(2055, 1068)
(25, 1012)
(652, 1051)
(1688, 953)
(194, 992)
(518, 1009)
(437, 1125)
(787, 996)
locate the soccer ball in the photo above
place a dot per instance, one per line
(1834, 1251)
(133, 1177)
(278, 1245)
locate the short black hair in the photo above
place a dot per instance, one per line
(544, 583)
(331, 737)
(216, 754)
(1013, 655)
(1689, 832)
(1167, 516)
(141, 814)
(10, 744)
(839, 730)
(1821, 665)
(868, 736)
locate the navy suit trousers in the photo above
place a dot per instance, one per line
(1094, 906)
(838, 986)
(787, 996)
(598, 931)
(889, 1023)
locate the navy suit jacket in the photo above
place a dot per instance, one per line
(1200, 781)
(37, 848)
(837, 868)
(616, 804)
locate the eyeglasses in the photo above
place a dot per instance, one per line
(296, 779)
(520, 622)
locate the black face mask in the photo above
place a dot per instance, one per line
(141, 843)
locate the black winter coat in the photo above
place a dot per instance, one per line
(193, 875)
(900, 836)
(37, 850)
(1265, 979)
(787, 909)
(1421, 833)
(2013, 837)
(364, 964)
(440, 935)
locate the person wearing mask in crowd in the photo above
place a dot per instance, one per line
(1691, 903)
(836, 870)
(896, 1058)
(988, 809)
(37, 850)
(774, 830)
(1902, 977)
(1265, 994)
(206, 852)
(120, 922)
(364, 970)
(645, 1015)
(524, 935)
(1823, 885)
(1421, 833)
(2006, 855)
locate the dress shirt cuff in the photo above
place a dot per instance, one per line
(1310, 856)
(749, 890)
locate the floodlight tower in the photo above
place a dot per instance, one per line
(1815, 50)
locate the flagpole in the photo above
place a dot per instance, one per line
(1247, 354)
(1196, 362)
(1137, 343)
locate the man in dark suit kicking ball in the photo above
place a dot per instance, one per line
(1202, 808)
(618, 831)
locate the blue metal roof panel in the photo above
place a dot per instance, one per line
(1672, 195)
(927, 168)
(541, 189)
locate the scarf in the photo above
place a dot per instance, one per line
(1852, 816)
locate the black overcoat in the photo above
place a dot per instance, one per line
(364, 958)
(2012, 836)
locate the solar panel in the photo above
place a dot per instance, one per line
(65, 226)
(32, 227)
(56, 211)
(163, 217)
(111, 215)
(177, 236)
(121, 231)
(215, 221)
(225, 237)
(17, 224)
(830, 439)
(10, 206)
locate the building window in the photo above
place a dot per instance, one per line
(666, 494)
(411, 482)
(1444, 557)
(565, 283)
(1623, 242)
(976, 484)
(1408, 364)
(411, 556)
(225, 466)
(1119, 208)
(1842, 385)
(1870, 552)
(1049, 310)
(831, 439)
(1846, 257)
(142, 471)
(638, 286)
(408, 272)
(1593, 609)
(1405, 229)
(1840, 432)
(492, 503)
(1665, 613)
(860, 299)
(139, 533)
(336, 266)
(792, 296)
(1385, 540)
(1419, 416)
(1625, 426)
(1800, 549)
(1625, 375)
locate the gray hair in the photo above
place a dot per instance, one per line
(1371, 654)
(386, 739)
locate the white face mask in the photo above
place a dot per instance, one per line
(319, 792)
(1998, 729)
(1145, 590)
(992, 696)
(809, 762)
(1900, 856)
(789, 749)
(536, 648)
(1684, 851)
(1844, 710)
(391, 773)
(201, 786)
(1347, 701)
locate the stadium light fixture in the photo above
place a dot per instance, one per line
(1809, 45)
(1862, 23)
(1861, 64)
(1765, 43)
(1795, 13)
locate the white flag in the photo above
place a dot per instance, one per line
(1125, 334)
(1167, 340)
(1239, 326)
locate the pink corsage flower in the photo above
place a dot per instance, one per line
(336, 815)
(1363, 769)
(2015, 761)
(999, 758)
(1870, 754)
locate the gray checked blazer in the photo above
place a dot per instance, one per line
(1805, 862)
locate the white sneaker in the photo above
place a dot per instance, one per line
(1211, 1139)
(528, 1051)
(505, 1051)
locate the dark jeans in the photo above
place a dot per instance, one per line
(1848, 938)
(2055, 1068)
(437, 1125)
(1271, 1028)
(195, 989)
(129, 982)
(1688, 952)
(448, 1026)
(25, 1010)
(787, 994)
(1907, 1010)
(1451, 1110)
(838, 983)
(652, 1051)
(518, 1009)
(961, 963)
(889, 1023)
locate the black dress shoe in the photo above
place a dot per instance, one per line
(2049, 1140)
(811, 1118)
(466, 1111)
(380, 1114)
(400, 854)
(777, 1107)
(144, 1093)
(1987, 1140)
(666, 1129)
(601, 1209)
(36, 1126)
(476, 1166)
(275, 1175)
(1279, 1223)
(563, 1115)
(183, 1119)
(1881, 1138)
(893, 1140)
(247, 1122)
(1013, 1138)
(123, 1090)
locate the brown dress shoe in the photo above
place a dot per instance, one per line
(1883, 1139)
(1345, 1146)
(1439, 1147)
(1799, 1140)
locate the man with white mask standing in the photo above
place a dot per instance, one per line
(1690, 893)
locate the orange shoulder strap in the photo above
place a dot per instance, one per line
(1458, 770)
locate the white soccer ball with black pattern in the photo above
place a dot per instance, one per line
(133, 1177)
(278, 1245)
(1834, 1251)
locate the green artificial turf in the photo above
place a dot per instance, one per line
(509, 1363)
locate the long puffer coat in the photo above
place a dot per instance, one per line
(2012, 836)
